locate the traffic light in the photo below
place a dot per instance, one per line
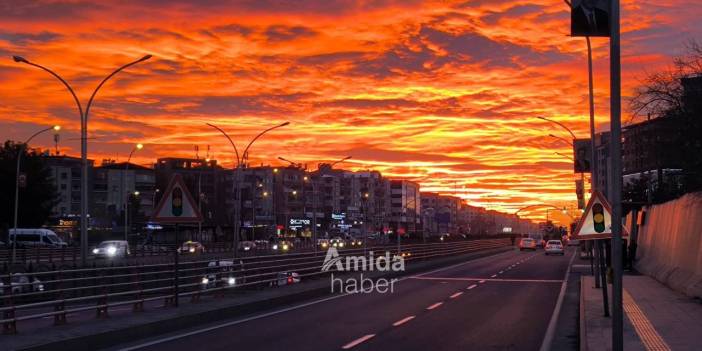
(177, 202)
(598, 217)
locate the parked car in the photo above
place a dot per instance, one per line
(554, 247)
(21, 283)
(223, 273)
(286, 278)
(191, 247)
(527, 244)
(111, 249)
(247, 245)
(34, 237)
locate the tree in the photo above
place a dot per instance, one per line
(676, 93)
(37, 198)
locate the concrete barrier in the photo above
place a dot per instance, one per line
(670, 244)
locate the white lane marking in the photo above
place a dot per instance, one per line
(482, 281)
(435, 305)
(551, 330)
(292, 308)
(456, 295)
(501, 272)
(403, 321)
(357, 341)
(493, 276)
(472, 286)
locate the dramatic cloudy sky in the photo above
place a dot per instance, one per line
(445, 93)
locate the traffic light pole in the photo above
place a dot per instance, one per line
(616, 178)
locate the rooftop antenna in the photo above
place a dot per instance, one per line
(57, 137)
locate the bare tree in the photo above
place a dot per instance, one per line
(661, 93)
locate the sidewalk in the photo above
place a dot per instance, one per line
(656, 317)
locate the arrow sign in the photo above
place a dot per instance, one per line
(596, 222)
(177, 205)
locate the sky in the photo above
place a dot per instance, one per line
(446, 93)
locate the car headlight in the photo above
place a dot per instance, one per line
(205, 280)
(246, 248)
(192, 249)
(324, 244)
(231, 281)
(285, 246)
(341, 244)
(335, 244)
(111, 250)
(275, 247)
(96, 251)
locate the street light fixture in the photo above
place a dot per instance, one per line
(21, 151)
(239, 164)
(339, 161)
(84, 141)
(136, 147)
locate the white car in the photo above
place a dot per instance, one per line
(112, 249)
(554, 247)
(22, 283)
(223, 273)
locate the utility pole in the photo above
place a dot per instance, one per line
(616, 178)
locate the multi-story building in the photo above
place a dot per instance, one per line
(66, 177)
(115, 185)
(405, 207)
(440, 214)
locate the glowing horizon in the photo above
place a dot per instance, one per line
(443, 93)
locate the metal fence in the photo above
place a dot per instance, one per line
(57, 293)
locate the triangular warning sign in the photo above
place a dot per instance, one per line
(596, 222)
(177, 205)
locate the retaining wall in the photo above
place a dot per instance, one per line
(670, 244)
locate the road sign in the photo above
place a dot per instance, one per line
(596, 222)
(177, 205)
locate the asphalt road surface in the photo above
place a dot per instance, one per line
(500, 302)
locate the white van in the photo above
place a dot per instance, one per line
(36, 237)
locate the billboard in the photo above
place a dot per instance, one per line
(582, 154)
(590, 18)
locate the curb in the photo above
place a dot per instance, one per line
(110, 338)
(581, 319)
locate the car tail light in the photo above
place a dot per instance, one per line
(290, 280)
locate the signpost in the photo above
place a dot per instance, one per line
(175, 207)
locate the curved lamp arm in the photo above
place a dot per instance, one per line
(238, 161)
(68, 86)
(246, 150)
(92, 97)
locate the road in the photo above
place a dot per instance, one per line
(500, 302)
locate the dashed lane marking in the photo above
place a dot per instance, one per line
(402, 321)
(472, 286)
(456, 295)
(435, 305)
(357, 341)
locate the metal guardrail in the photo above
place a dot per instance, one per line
(108, 287)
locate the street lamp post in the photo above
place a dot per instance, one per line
(126, 191)
(83, 144)
(239, 164)
(20, 151)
